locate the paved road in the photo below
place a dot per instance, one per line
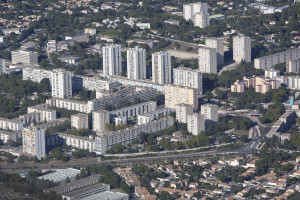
(20, 166)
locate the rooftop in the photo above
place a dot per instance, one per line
(106, 196)
(60, 175)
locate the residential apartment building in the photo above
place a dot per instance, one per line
(69, 104)
(187, 77)
(80, 121)
(292, 82)
(134, 110)
(61, 83)
(5, 136)
(161, 68)
(138, 83)
(90, 31)
(260, 84)
(177, 94)
(210, 112)
(115, 99)
(44, 113)
(34, 141)
(100, 119)
(201, 19)
(218, 44)
(154, 115)
(182, 111)
(207, 60)
(105, 141)
(238, 86)
(11, 124)
(54, 46)
(98, 84)
(24, 57)
(195, 123)
(241, 49)
(112, 60)
(293, 66)
(268, 62)
(136, 63)
(272, 73)
(63, 188)
(2, 66)
(189, 10)
(79, 142)
(36, 74)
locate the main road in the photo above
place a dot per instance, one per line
(23, 166)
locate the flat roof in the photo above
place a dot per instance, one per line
(106, 196)
(216, 16)
(90, 188)
(74, 182)
(60, 175)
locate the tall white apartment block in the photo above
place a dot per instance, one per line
(24, 57)
(195, 123)
(61, 83)
(80, 121)
(210, 112)
(161, 67)
(34, 141)
(241, 49)
(187, 77)
(207, 60)
(201, 19)
(100, 118)
(189, 10)
(182, 111)
(2, 66)
(291, 66)
(112, 60)
(136, 63)
(218, 44)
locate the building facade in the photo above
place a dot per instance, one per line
(268, 62)
(105, 141)
(136, 63)
(189, 10)
(2, 66)
(154, 115)
(182, 111)
(34, 141)
(176, 94)
(201, 19)
(54, 46)
(161, 68)
(100, 118)
(24, 57)
(210, 112)
(36, 74)
(218, 44)
(112, 60)
(61, 83)
(187, 77)
(241, 49)
(80, 121)
(238, 86)
(293, 66)
(195, 123)
(272, 73)
(98, 84)
(207, 60)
